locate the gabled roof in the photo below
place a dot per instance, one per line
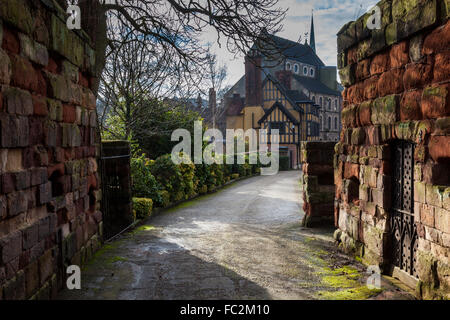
(296, 51)
(283, 109)
(315, 85)
(293, 96)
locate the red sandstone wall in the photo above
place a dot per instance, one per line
(397, 83)
(317, 183)
(49, 205)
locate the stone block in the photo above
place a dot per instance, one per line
(427, 215)
(45, 266)
(371, 87)
(384, 110)
(399, 54)
(442, 220)
(23, 180)
(5, 68)
(11, 246)
(31, 278)
(358, 136)
(437, 41)
(419, 192)
(14, 289)
(33, 50)
(347, 75)
(434, 195)
(441, 67)
(410, 105)
(417, 18)
(71, 135)
(17, 13)
(391, 82)
(362, 70)
(24, 75)
(30, 236)
(349, 116)
(16, 203)
(380, 64)
(38, 176)
(45, 193)
(346, 36)
(55, 110)
(40, 106)
(436, 101)
(17, 101)
(439, 148)
(418, 74)
(415, 48)
(364, 193)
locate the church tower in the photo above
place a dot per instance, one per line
(312, 39)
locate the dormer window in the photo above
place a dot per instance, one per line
(311, 72)
(305, 71)
(296, 68)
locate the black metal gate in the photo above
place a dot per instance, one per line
(403, 228)
(116, 187)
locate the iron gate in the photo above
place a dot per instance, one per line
(403, 228)
(116, 187)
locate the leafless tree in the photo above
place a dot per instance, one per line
(174, 26)
(135, 74)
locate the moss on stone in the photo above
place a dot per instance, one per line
(116, 259)
(360, 293)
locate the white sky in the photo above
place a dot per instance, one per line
(329, 17)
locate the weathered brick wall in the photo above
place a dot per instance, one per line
(397, 87)
(317, 183)
(49, 209)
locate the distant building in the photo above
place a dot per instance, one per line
(297, 82)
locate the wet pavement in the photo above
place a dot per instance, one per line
(243, 242)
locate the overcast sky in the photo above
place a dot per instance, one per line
(329, 17)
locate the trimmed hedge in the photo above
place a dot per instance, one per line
(165, 182)
(142, 207)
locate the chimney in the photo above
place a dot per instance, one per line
(212, 105)
(285, 78)
(253, 80)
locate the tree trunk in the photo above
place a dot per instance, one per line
(93, 22)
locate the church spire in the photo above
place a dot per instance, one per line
(312, 41)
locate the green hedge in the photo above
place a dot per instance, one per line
(142, 208)
(165, 182)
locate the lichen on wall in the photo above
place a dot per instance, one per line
(49, 199)
(397, 87)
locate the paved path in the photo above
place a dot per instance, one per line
(244, 242)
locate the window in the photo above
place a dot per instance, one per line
(296, 68)
(311, 72)
(281, 126)
(329, 122)
(329, 104)
(305, 71)
(288, 66)
(335, 105)
(320, 102)
(309, 128)
(335, 123)
(313, 99)
(320, 121)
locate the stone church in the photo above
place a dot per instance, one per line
(298, 82)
